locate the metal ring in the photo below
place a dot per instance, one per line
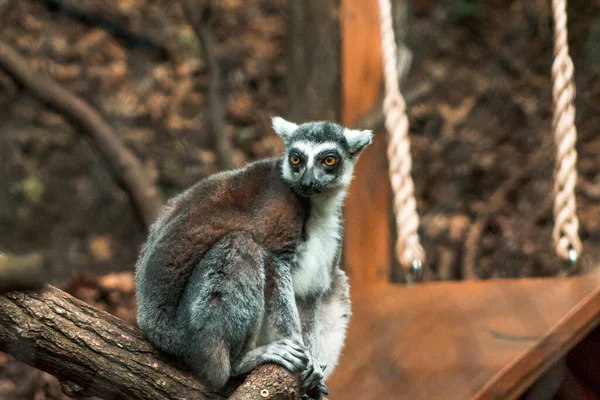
(572, 261)
(417, 270)
(573, 256)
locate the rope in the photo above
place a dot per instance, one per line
(566, 225)
(565, 235)
(409, 251)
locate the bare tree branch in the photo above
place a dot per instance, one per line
(98, 19)
(94, 353)
(129, 172)
(268, 382)
(195, 14)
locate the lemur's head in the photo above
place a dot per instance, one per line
(319, 156)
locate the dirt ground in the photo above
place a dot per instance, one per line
(480, 122)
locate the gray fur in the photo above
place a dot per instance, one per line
(243, 268)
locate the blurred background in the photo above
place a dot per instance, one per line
(189, 93)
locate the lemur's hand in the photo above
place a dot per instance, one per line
(288, 354)
(294, 357)
(311, 380)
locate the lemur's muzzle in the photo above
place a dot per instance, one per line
(308, 184)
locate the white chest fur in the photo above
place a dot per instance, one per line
(317, 254)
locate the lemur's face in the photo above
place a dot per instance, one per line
(319, 156)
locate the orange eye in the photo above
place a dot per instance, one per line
(330, 161)
(294, 159)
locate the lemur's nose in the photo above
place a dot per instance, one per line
(307, 181)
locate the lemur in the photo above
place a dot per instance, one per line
(242, 268)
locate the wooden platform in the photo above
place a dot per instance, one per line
(462, 340)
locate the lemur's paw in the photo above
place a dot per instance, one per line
(312, 378)
(316, 393)
(288, 354)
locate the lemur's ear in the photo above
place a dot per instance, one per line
(357, 140)
(282, 127)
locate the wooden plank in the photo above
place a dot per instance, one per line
(367, 233)
(582, 378)
(512, 380)
(447, 340)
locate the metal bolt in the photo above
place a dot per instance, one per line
(572, 255)
(417, 270)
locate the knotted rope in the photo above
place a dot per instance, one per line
(409, 251)
(565, 234)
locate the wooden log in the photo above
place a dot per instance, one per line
(268, 382)
(367, 238)
(313, 60)
(95, 354)
(362, 62)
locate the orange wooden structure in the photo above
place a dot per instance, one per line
(446, 340)
(462, 340)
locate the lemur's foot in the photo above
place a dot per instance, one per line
(311, 379)
(296, 358)
(314, 394)
(286, 353)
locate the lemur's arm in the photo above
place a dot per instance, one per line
(280, 302)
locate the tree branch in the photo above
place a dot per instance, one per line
(94, 353)
(216, 113)
(98, 19)
(128, 171)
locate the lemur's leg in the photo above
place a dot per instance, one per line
(283, 328)
(284, 342)
(334, 316)
(324, 323)
(309, 310)
(222, 306)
